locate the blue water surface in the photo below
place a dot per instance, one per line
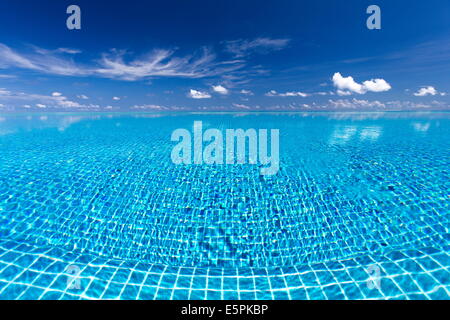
(91, 206)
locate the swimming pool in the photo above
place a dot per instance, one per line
(91, 206)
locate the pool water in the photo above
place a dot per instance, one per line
(91, 206)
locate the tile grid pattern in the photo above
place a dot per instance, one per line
(28, 272)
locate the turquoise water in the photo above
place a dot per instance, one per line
(359, 198)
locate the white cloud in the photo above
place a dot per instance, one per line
(195, 94)
(358, 104)
(82, 96)
(355, 104)
(154, 107)
(273, 93)
(241, 48)
(324, 93)
(246, 92)
(425, 91)
(220, 89)
(347, 85)
(294, 94)
(149, 107)
(55, 100)
(116, 98)
(344, 92)
(241, 106)
(376, 85)
(4, 92)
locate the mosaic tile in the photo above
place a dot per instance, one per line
(104, 205)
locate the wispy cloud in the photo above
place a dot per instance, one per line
(114, 65)
(149, 107)
(347, 85)
(68, 50)
(273, 93)
(355, 104)
(163, 63)
(242, 106)
(242, 48)
(7, 76)
(41, 60)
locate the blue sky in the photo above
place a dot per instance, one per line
(224, 56)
